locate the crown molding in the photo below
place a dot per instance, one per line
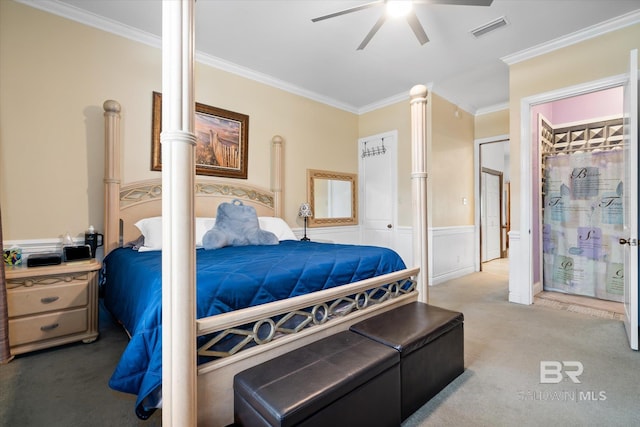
(403, 96)
(471, 109)
(492, 109)
(82, 16)
(268, 80)
(134, 34)
(593, 31)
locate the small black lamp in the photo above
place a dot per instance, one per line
(305, 212)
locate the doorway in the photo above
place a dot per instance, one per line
(525, 242)
(491, 214)
(492, 191)
(582, 186)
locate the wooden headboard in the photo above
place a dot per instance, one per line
(124, 205)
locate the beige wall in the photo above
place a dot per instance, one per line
(491, 124)
(588, 61)
(451, 166)
(449, 159)
(54, 76)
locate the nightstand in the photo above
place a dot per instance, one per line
(52, 305)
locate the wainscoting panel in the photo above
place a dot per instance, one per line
(519, 275)
(343, 234)
(451, 249)
(451, 252)
(351, 235)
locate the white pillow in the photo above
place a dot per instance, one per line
(277, 226)
(151, 229)
(202, 226)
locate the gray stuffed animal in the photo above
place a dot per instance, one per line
(237, 225)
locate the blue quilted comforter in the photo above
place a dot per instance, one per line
(227, 279)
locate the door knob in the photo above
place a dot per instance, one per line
(629, 241)
(389, 226)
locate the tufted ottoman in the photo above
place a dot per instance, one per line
(342, 380)
(430, 341)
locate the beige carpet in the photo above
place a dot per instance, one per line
(505, 345)
(560, 301)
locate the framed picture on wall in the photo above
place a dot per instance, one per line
(222, 140)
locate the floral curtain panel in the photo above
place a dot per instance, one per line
(582, 223)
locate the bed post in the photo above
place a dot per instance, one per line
(111, 175)
(179, 371)
(419, 187)
(276, 175)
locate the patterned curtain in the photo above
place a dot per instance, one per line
(5, 353)
(582, 222)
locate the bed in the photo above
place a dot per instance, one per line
(228, 279)
(287, 305)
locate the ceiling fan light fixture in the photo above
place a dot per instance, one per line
(399, 8)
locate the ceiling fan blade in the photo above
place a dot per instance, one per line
(417, 28)
(372, 32)
(457, 2)
(345, 11)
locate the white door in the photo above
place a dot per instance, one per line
(490, 216)
(630, 229)
(377, 188)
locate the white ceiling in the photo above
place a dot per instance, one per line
(274, 41)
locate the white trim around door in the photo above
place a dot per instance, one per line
(521, 278)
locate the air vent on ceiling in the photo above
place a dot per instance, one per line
(489, 26)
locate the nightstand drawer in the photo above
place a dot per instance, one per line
(40, 299)
(46, 326)
(52, 305)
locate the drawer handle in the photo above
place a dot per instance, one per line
(49, 300)
(49, 327)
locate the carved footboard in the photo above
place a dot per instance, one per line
(240, 339)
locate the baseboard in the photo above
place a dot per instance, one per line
(537, 288)
(436, 280)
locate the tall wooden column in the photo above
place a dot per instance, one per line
(419, 187)
(111, 175)
(179, 371)
(276, 175)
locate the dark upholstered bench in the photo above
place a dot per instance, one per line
(430, 341)
(342, 380)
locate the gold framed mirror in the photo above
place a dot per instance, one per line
(333, 197)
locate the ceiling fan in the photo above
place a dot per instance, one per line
(400, 8)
